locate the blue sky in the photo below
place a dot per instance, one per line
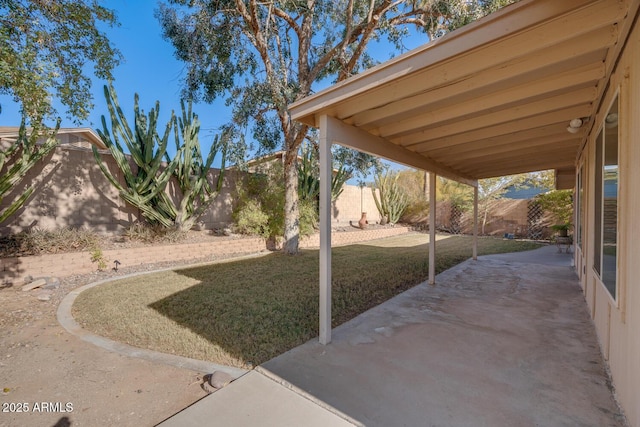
(150, 69)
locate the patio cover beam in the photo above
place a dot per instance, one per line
(358, 139)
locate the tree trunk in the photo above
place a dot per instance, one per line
(291, 213)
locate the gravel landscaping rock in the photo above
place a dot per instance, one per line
(33, 285)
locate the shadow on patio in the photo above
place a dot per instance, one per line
(502, 341)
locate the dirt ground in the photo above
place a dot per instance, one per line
(55, 378)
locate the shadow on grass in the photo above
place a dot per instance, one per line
(251, 308)
(259, 308)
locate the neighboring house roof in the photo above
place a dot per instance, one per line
(79, 137)
(490, 99)
(523, 193)
(256, 163)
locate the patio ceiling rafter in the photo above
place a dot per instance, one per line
(490, 99)
(523, 72)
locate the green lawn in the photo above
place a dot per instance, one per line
(243, 313)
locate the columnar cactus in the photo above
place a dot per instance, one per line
(192, 171)
(142, 187)
(309, 172)
(392, 201)
(145, 189)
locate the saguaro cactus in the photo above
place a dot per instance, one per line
(20, 157)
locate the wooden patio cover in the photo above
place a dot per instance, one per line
(490, 99)
(493, 98)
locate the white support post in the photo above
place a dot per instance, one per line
(432, 228)
(325, 231)
(475, 223)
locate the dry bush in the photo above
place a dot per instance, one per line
(141, 232)
(37, 241)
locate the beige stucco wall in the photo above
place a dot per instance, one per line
(71, 191)
(618, 322)
(351, 203)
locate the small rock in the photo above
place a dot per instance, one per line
(28, 280)
(208, 388)
(35, 284)
(220, 379)
(52, 283)
(44, 296)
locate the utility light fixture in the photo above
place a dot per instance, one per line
(575, 125)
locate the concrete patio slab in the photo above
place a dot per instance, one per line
(497, 342)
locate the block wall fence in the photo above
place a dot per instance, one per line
(71, 191)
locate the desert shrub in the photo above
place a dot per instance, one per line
(260, 197)
(251, 219)
(97, 256)
(147, 233)
(40, 241)
(416, 210)
(558, 203)
(308, 217)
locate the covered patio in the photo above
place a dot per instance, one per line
(502, 341)
(514, 92)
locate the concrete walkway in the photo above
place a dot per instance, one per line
(502, 341)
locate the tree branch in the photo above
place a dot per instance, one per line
(284, 15)
(355, 34)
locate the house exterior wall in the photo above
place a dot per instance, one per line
(617, 320)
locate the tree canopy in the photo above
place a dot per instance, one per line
(44, 49)
(264, 55)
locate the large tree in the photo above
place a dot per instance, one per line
(45, 49)
(264, 55)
